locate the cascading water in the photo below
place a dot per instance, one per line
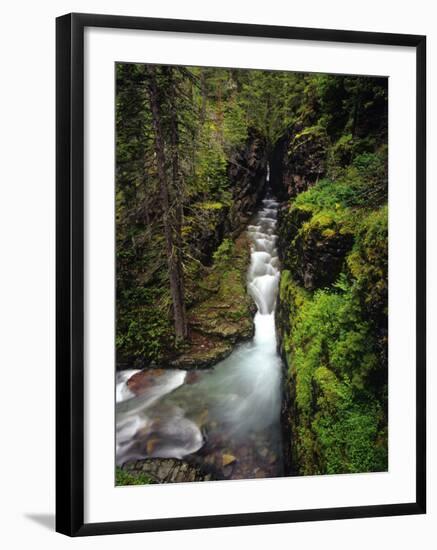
(228, 417)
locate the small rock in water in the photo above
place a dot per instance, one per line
(151, 445)
(143, 380)
(192, 377)
(272, 458)
(210, 459)
(228, 459)
(263, 452)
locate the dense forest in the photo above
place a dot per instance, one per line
(194, 148)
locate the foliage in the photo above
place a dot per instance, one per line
(334, 330)
(332, 355)
(125, 477)
(224, 251)
(368, 264)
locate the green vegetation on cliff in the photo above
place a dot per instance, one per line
(332, 312)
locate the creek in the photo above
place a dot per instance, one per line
(227, 418)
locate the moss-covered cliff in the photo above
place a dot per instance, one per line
(332, 306)
(333, 337)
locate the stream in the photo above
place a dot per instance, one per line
(227, 418)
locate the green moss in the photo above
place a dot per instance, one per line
(224, 252)
(331, 353)
(227, 310)
(330, 222)
(340, 153)
(209, 205)
(368, 262)
(326, 194)
(124, 477)
(362, 184)
(350, 442)
(292, 296)
(328, 233)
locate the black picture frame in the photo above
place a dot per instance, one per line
(70, 273)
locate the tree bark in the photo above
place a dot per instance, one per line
(173, 255)
(204, 98)
(178, 192)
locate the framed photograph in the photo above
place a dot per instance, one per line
(240, 274)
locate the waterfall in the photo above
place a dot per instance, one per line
(232, 409)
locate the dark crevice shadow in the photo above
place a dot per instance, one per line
(46, 520)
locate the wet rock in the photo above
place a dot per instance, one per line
(192, 377)
(169, 470)
(202, 352)
(144, 380)
(151, 445)
(202, 418)
(210, 459)
(228, 459)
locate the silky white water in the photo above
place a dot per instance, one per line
(233, 408)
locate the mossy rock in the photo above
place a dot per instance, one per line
(224, 316)
(314, 244)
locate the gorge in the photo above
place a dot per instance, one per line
(279, 222)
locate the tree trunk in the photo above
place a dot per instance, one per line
(204, 98)
(178, 191)
(173, 257)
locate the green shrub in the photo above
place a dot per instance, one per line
(224, 251)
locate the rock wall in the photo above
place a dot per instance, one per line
(331, 319)
(331, 312)
(297, 161)
(313, 249)
(247, 174)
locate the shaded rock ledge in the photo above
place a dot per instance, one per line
(168, 470)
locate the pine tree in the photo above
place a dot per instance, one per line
(171, 214)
